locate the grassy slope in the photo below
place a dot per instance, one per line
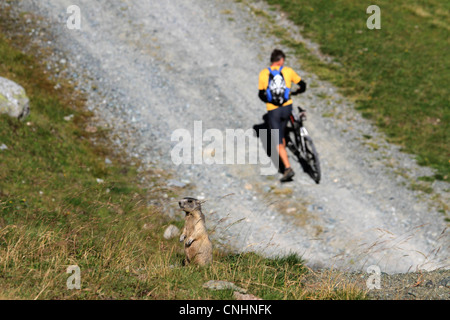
(399, 75)
(54, 213)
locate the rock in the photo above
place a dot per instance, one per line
(222, 285)
(171, 232)
(240, 296)
(201, 196)
(175, 183)
(91, 129)
(315, 207)
(107, 161)
(13, 99)
(69, 117)
(445, 283)
(147, 226)
(3, 147)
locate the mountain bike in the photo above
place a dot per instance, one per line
(301, 144)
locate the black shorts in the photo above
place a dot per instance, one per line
(278, 119)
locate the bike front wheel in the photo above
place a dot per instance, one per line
(312, 160)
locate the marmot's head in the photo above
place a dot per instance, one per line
(189, 205)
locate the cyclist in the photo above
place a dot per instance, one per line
(275, 85)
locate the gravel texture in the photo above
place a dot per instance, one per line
(422, 285)
(151, 67)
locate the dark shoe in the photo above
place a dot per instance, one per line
(288, 174)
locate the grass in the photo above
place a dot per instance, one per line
(54, 213)
(398, 75)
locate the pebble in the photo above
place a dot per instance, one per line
(444, 283)
(240, 296)
(69, 117)
(171, 232)
(176, 183)
(223, 285)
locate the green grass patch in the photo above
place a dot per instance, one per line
(398, 75)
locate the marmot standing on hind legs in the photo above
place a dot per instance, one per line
(197, 246)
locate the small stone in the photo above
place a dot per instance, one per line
(201, 196)
(107, 161)
(444, 283)
(429, 284)
(91, 129)
(69, 117)
(171, 232)
(100, 180)
(240, 296)
(3, 147)
(222, 285)
(176, 183)
(147, 226)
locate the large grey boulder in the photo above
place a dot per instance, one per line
(13, 99)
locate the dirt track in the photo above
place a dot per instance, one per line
(158, 66)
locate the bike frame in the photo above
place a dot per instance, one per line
(295, 122)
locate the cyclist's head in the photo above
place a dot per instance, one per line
(277, 55)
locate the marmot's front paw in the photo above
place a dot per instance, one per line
(182, 237)
(189, 242)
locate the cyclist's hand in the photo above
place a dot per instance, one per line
(301, 89)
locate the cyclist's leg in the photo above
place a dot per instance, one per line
(284, 118)
(278, 120)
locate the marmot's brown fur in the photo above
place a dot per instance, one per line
(197, 246)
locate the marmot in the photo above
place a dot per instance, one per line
(197, 246)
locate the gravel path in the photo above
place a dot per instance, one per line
(151, 67)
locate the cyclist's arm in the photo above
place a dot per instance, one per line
(302, 86)
(263, 82)
(298, 80)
